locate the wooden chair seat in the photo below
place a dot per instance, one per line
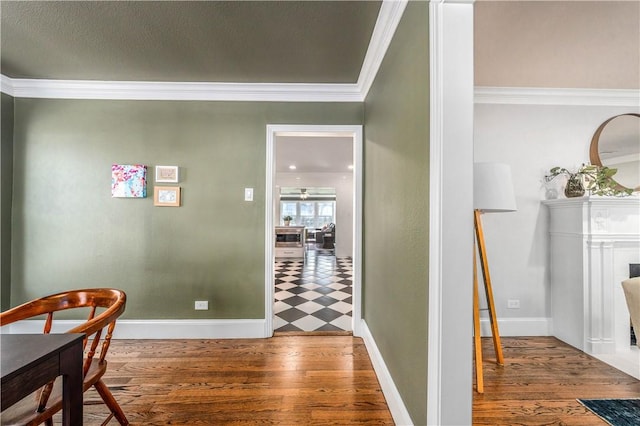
(96, 344)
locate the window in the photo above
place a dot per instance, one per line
(310, 214)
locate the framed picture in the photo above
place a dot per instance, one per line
(166, 196)
(167, 174)
(128, 180)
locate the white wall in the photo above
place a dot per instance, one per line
(343, 183)
(532, 139)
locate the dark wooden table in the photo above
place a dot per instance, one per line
(29, 361)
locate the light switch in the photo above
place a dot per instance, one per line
(248, 194)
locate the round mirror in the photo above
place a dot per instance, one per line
(616, 144)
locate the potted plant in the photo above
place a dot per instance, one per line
(287, 220)
(596, 179)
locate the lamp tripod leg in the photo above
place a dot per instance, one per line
(487, 286)
(476, 329)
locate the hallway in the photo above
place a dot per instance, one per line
(314, 295)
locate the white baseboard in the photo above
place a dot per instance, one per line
(254, 328)
(518, 327)
(161, 329)
(394, 400)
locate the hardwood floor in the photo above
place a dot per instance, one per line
(540, 381)
(319, 379)
(287, 380)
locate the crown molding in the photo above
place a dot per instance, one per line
(388, 18)
(386, 24)
(256, 92)
(6, 85)
(553, 96)
(185, 91)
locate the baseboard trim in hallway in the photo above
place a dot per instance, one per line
(392, 395)
(311, 333)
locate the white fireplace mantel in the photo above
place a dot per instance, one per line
(592, 242)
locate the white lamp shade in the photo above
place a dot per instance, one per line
(493, 188)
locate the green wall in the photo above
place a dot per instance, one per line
(69, 233)
(396, 182)
(6, 188)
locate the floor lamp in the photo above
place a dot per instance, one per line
(492, 193)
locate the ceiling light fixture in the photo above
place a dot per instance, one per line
(292, 167)
(304, 194)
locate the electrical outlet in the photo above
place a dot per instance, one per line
(513, 304)
(202, 305)
(248, 194)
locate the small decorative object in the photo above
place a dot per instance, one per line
(128, 180)
(166, 196)
(598, 181)
(550, 190)
(287, 220)
(574, 187)
(167, 174)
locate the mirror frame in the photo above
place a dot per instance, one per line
(594, 154)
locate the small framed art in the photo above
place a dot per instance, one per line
(128, 180)
(166, 196)
(167, 174)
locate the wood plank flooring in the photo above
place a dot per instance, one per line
(540, 381)
(319, 379)
(287, 380)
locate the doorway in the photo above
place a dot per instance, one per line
(348, 243)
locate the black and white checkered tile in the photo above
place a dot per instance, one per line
(313, 295)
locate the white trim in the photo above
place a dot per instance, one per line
(6, 85)
(354, 131)
(434, 357)
(449, 360)
(525, 326)
(398, 410)
(557, 96)
(386, 24)
(185, 91)
(300, 92)
(358, 162)
(245, 328)
(159, 329)
(269, 208)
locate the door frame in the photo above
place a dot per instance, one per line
(354, 131)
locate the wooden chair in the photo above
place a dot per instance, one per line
(104, 305)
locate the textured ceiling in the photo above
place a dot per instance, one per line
(212, 41)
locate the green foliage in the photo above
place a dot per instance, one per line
(598, 179)
(287, 218)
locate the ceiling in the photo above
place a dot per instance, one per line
(314, 154)
(192, 41)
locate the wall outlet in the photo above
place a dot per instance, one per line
(248, 194)
(202, 305)
(513, 304)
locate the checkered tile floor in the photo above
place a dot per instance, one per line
(314, 295)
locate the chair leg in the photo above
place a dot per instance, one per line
(111, 402)
(49, 422)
